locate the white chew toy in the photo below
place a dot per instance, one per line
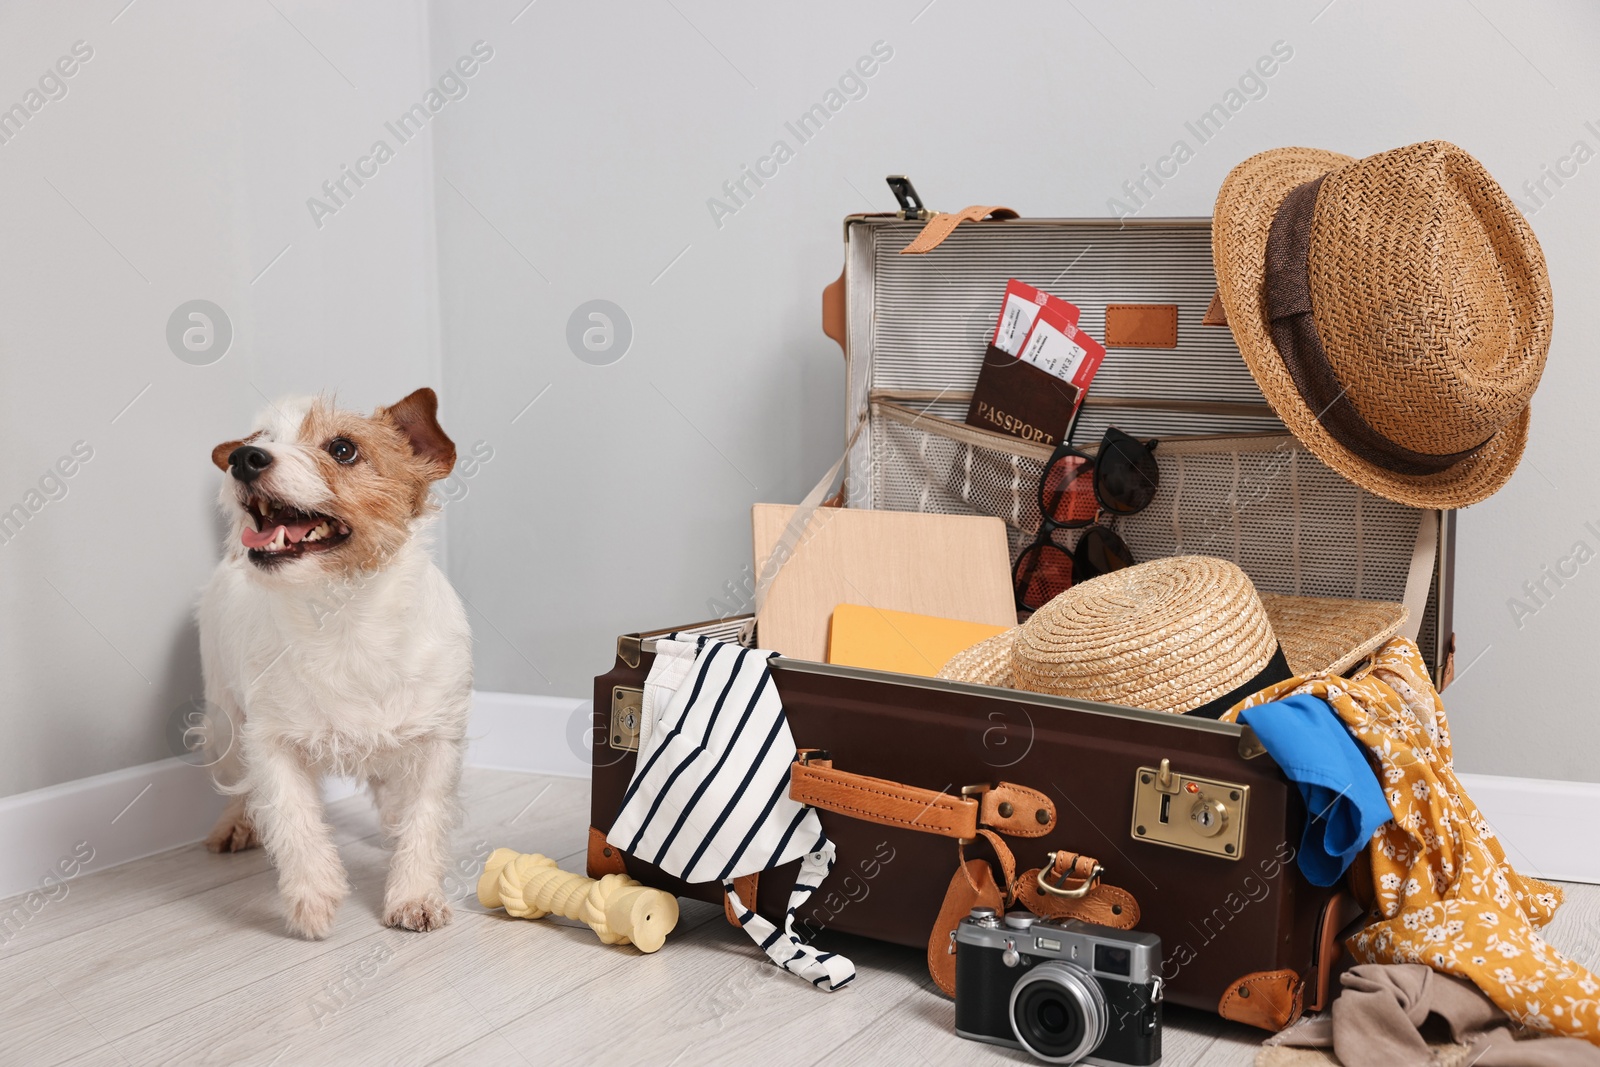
(617, 908)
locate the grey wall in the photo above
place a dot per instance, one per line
(176, 167)
(577, 167)
(620, 499)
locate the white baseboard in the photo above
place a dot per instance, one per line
(535, 734)
(122, 816)
(128, 814)
(132, 813)
(1543, 823)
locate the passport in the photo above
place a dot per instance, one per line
(1036, 369)
(1015, 397)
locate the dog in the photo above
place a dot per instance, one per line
(336, 646)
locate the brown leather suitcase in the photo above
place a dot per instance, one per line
(1243, 928)
(1193, 825)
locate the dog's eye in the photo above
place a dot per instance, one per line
(342, 449)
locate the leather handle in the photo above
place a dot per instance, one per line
(941, 225)
(1008, 808)
(877, 800)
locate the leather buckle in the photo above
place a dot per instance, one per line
(967, 793)
(1059, 890)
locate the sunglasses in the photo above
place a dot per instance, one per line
(1077, 490)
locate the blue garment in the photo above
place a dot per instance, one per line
(1345, 804)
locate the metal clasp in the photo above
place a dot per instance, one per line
(1164, 779)
(967, 793)
(906, 193)
(806, 755)
(1058, 889)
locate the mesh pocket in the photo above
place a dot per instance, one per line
(922, 462)
(1290, 522)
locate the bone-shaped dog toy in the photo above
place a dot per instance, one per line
(617, 908)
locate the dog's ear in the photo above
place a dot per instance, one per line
(220, 454)
(417, 417)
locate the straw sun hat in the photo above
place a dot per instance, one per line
(1394, 310)
(1181, 634)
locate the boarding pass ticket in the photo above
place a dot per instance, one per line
(1021, 307)
(1058, 347)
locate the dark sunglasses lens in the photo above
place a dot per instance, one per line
(1099, 551)
(1128, 475)
(1043, 572)
(1066, 493)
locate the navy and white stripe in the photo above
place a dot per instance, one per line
(710, 799)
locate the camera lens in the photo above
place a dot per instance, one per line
(1058, 1012)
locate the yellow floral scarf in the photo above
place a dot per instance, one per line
(1444, 894)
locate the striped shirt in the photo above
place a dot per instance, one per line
(709, 799)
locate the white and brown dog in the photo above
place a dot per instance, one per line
(336, 646)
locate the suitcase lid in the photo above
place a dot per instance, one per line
(914, 329)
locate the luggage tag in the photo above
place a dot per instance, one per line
(1018, 311)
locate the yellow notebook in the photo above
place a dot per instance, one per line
(899, 641)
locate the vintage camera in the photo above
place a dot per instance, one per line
(1063, 990)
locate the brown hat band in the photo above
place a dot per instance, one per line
(1294, 332)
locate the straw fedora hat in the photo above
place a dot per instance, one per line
(1186, 634)
(1394, 310)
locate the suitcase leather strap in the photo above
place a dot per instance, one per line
(973, 886)
(1011, 809)
(1066, 886)
(940, 226)
(1064, 872)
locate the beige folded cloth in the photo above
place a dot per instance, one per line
(1378, 1016)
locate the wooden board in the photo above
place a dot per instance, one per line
(952, 566)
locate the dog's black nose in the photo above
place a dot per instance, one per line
(248, 461)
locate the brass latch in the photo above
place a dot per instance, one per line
(1187, 812)
(906, 193)
(627, 715)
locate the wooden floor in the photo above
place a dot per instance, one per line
(181, 958)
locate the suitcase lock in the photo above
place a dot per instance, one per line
(627, 715)
(1183, 811)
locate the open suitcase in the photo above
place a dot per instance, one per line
(1243, 933)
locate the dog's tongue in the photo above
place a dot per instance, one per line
(293, 532)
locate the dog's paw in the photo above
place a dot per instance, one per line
(311, 916)
(233, 833)
(427, 913)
